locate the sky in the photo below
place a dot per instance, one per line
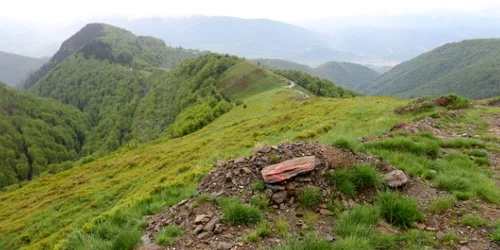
(57, 11)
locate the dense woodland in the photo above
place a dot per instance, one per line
(316, 85)
(36, 132)
(469, 68)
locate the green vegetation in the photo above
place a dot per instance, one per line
(466, 68)
(309, 196)
(14, 68)
(37, 134)
(347, 180)
(495, 234)
(119, 181)
(316, 85)
(310, 242)
(260, 201)
(474, 220)
(237, 213)
(399, 210)
(167, 235)
(348, 75)
(441, 204)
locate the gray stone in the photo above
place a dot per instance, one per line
(224, 245)
(288, 169)
(325, 212)
(204, 235)
(201, 218)
(279, 197)
(211, 224)
(396, 178)
(198, 229)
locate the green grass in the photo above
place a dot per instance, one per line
(258, 186)
(495, 233)
(358, 222)
(348, 180)
(44, 212)
(441, 204)
(474, 220)
(398, 209)
(309, 196)
(167, 235)
(237, 213)
(260, 201)
(309, 242)
(283, 227)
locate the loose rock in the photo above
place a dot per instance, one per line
(396, 178)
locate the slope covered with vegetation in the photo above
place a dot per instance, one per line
(469, 68)
(348, 75)
(316, 85)
(118, 186)
(36, 132)
(15, 68)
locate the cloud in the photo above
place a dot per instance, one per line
(64, 10)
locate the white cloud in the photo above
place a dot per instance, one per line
(285, 10)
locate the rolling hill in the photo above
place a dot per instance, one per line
(15, 68)
(348, 75)
(470, 68)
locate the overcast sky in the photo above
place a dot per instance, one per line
(284, 10)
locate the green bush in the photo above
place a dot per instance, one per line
(399, 210)
(442, 204)
(360, 176)
(260, 201)
(474, 220)
(239, 214)
(167, 235)
(453, 102)
(309, 196)
(309, 242)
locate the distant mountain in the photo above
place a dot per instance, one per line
(252, 38)
(348, 75)
(469, 68)
(387, 40)
(15, 68)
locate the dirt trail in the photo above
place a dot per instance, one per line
(493, 124)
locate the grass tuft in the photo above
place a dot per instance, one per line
(309, 196)
(360, 176)
(260, 201)
(399, 210)
(309, 242)
(167, 235)
(237, 213)
(473, 220)
(442, 204)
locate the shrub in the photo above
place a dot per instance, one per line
(239, 214)
(453, 102)
(258, 186)
(399, 210)
(358, 222)
(167, 235)
(442, 204)
(474, 220)
(343, 143)
(365, 176)
(360, 176)
(126, 239)
(352, 243)
(260, 201)
(309, 242)
(309, 196)
(495, 233)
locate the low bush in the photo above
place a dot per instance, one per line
(167, 235)
(474, 220)
(309, 196)
(237, 213)
(399, 210)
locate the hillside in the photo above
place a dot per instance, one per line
(469, 68)
(36, 132)
(348, 75)
(15, 68)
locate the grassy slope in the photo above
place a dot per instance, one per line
(14, 68)
(349, 75)
(469, 68)
(44, 212)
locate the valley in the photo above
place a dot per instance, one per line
(120, 141)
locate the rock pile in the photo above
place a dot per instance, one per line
(494, 103)
(282, 171)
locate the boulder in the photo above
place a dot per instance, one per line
(396, 178)
(288, 169)
(280, 197)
